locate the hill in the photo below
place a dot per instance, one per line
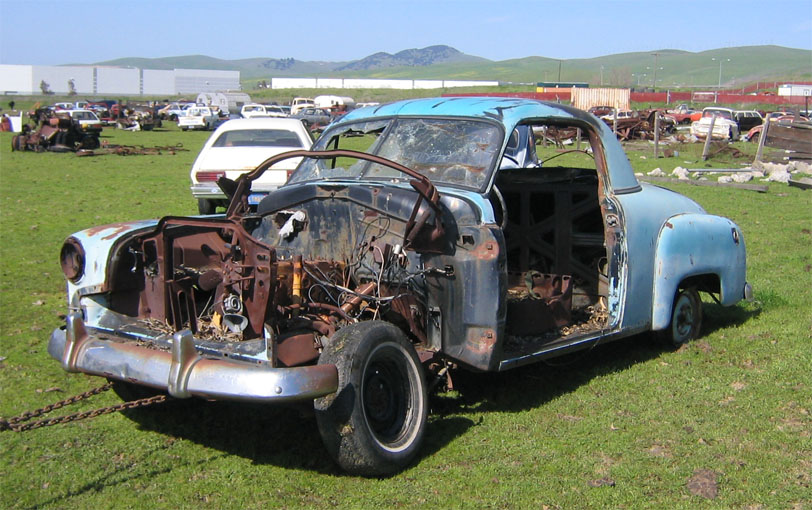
(671, 67)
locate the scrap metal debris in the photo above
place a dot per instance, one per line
(640, 125)
(133, 150)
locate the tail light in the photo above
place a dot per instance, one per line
(209, 176)
(72, 259)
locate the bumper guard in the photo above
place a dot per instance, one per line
(182, 371)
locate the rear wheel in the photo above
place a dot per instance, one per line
(205, 206)
(374, 424)
(686, 319)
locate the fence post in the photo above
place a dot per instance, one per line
(762, 138)
(656, 134)
(708, 137)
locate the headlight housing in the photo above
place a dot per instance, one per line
(72, 259)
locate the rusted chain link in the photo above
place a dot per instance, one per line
(56, 405)
(16, 423)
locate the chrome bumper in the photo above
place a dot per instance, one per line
(207, 191)
(183, 372)
(212, 191)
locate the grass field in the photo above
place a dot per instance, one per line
(626, 425)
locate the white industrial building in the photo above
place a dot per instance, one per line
(103, 80)
(373, 83)
(795, 89)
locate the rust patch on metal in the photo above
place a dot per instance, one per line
(480, 340)
(118, 229)
(488, 250)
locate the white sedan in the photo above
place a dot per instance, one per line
(240, 145)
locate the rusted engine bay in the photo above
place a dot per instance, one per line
(225, 284)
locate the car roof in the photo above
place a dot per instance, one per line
(506, 110)
(260, 123)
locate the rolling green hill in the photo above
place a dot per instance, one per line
(674, 68)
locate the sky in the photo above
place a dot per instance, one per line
(47, 32)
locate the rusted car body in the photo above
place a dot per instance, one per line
(445, 242)
(59, 131)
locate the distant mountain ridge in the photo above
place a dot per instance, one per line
(674, 68)
(428, 56)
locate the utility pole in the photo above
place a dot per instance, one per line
(720, 68)
(654, 82)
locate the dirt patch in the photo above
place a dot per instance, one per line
(704, 483)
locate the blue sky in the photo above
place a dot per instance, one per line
(48, 32)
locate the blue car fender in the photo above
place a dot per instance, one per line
(695, 245)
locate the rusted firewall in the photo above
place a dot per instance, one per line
(184, 257)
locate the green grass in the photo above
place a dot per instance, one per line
(736, 402)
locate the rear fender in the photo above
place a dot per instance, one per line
(692, 245)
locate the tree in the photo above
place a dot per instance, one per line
(71, 87)
(45, 88)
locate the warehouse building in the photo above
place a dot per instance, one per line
(104, 80)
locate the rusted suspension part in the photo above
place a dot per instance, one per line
(16, 423)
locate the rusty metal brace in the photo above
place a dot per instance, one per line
(16, 423)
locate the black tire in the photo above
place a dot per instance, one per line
(374, 424)
(90, 142)
(206, 206)
(686, 319)
(129, 391)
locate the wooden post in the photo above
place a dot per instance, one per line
(656, 135)
(708, 137)
(762, 138)
(578, 139)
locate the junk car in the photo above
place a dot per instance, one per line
(413, 238)
(198, 117)
(724, 124)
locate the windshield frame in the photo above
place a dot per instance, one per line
(326, 142)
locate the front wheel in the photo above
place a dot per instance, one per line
(373, 425)
(686, 319)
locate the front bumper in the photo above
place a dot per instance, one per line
(182, 371)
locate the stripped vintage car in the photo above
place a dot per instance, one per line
(413, 238)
